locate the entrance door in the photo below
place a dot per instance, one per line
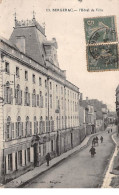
(71, 140)
(36, 155)
(16, 161)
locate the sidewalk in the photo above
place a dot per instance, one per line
(109, 174)
(25, 178)
(114, 182)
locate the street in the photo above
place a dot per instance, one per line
(80, 170)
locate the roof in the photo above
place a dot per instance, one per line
(8, 42)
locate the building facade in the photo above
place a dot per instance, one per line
(117, 109)
(38, 106)
(90, 116)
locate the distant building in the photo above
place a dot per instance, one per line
(90, 116)
(82, 117)
(96, 114)
(82, 122)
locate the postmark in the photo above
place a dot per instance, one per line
(100, 29)
(102, 57)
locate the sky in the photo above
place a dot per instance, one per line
(68, 29)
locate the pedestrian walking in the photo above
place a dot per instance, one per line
(93, 142)
(111, 130)
(48, 158)
(101, 139)
(96, 140)
(92, 151)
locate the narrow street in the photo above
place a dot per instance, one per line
(80, 170)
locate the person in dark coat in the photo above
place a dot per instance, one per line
(48, 158)
(96, 140)
(101, 139)
(92, 151)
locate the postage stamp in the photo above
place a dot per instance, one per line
(102, 57)
(100, 29)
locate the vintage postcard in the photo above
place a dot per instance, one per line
(59, 94)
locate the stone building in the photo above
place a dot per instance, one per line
(38, 105)
(117, 109)
(90, 116)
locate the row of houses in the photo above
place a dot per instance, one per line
(94, 116)
(40, 111)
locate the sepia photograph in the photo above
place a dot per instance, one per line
(59, 94)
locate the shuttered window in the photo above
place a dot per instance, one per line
(8, 94)
(26, 97)
(8, 131)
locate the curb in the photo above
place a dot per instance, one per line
(105, 171)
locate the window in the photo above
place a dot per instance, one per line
(65, 91)
(28, 154)
(40, 81)
(47, 124)
(8, 94)
(68, 92)
(52, 146)
(46, 100)
(62, 122)
(28, 127)
(41, 125)
(50, 100)
(10, 162)
(34, 98)
(41, 100)
(8, 129)
(26, 75)
(7, 68)
(62, 103)
(20, 158)
(57, 122)
(51, 124)
(56, 88)
(33, 78)
(45, 83)
(18, 95)
(17, 72)
(61, 90)
(50, 85)
(66, 121)
(19, 127)
(35, 125)
(57, 103)
(38, 100)
(12, 128)
(26, 97)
